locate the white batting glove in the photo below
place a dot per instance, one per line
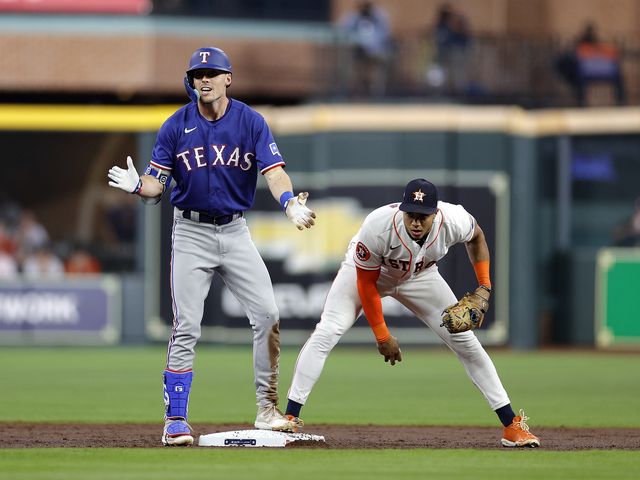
(127, 180)
(299, 213)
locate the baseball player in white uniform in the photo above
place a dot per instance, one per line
(395, 253)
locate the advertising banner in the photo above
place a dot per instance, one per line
(303, 264)
(617, 274)
(68, 312)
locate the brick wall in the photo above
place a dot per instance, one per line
(149, 64)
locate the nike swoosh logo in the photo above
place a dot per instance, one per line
(189, 130)
(393, 248)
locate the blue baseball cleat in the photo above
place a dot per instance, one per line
(177, 433)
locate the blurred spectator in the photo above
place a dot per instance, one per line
(30, 234)
(591, 61)
(10, 213)
(451, 37)
(7, 243)
(81, 262)
(367, 29)
(42, 264)
(628, 233)
(8, 266)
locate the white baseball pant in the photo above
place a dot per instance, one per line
(426, 296)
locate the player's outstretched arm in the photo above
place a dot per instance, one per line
(127, 180)
(478, 252)
(390, 350)
(372, 306)
(297, 211)
(147, 187)
(477, 247)
(468, 313)
(294, 205)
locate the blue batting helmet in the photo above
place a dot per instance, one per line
(209, 57)
(206, 57)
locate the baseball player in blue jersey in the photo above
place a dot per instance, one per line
(213, 148)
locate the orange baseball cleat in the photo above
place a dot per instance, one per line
(517, 434)
(296, 422)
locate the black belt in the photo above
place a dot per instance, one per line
(203, 217)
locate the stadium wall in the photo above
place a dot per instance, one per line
(553, 234)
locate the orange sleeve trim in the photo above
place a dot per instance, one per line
(482, 273)
(381, 332)
(371, 303)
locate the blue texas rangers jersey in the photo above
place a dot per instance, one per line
(215, 164)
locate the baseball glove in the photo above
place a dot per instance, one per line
(465, 315)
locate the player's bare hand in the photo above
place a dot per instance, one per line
(127, 180)
(298, 212)
(390, 350)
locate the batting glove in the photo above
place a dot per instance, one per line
(299, 213)
(127, 180)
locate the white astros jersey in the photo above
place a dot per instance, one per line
(408, 274)
(383, 241)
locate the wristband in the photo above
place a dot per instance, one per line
(482, 272)
(484, 287)
(381, 332)
(284, 198)
(138, 187)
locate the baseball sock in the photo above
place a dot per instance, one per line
(293, 408)
(506, 414)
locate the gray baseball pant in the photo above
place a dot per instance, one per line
(198, 251)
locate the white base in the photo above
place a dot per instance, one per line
(254, 438)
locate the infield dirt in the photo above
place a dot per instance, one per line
(44, 435)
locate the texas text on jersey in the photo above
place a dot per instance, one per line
(214, 166)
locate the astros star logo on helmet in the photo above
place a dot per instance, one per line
(418, 196)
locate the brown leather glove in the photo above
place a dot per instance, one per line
(468, 313)
(390, 350)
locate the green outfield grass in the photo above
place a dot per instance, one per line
(124, 464)
(429, 387)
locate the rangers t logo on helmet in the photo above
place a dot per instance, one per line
(209, 57)
(206, 58)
